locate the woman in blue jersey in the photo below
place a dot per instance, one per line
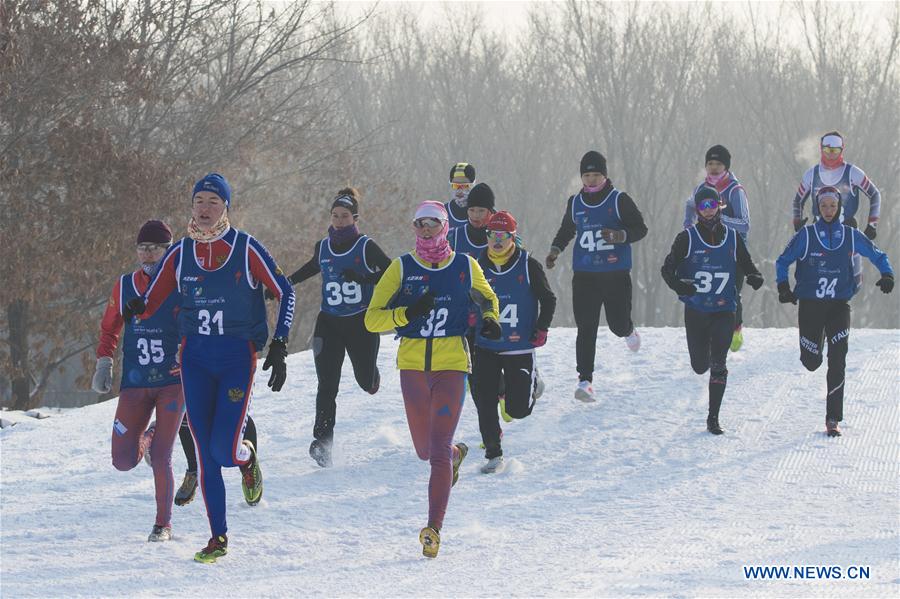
(526, 309)
(604, 222)
(425, 295)
(150, 376)
(351, 263)
(702, 268)
(219, 274)
(823, 253)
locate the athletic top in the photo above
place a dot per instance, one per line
(712, 269)
(247, 266)
(849, 180)
(823, 253)
(340, 297)
(518, 307)
(431, 353)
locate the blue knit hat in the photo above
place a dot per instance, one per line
(217, 184)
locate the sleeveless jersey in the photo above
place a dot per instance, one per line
(149, 345)
(712, 269)
(462, 244)
(340, 297)
(452, 221)
(823, 273)
(518, 307)
(450, 286)
(591, 252)
(849, 193)
(221, 301)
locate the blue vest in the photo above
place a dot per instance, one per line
(849, 194)
(452, 221)
(340, 297)
(449, 284)
(462, 244)
(823, 273)
(712, 269)
(591, 253)
(221, 301)
(518, 307)
(149, 345)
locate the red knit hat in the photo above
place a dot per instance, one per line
(501, 221)
(155, 231)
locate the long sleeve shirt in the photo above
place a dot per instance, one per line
(211, 255)
(447, 353)
(112, 322)
(858, 182)
(682, 243)
(631, 217)
(736, 209)
(798, 246)
(375, 259)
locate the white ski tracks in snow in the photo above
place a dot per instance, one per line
(628, 496)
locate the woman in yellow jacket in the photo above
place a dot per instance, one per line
(425, 296)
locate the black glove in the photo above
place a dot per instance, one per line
(870, 232)
(275, 361)
(420, 307)
(755, 280)
(268, 294)
(490, 329)
(133, 307)
(353, 276)
(799, 224)
(785, 295)
(851, 222)
(684, 287)
(886, 283)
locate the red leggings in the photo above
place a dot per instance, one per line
(434, 402)
(133, 413)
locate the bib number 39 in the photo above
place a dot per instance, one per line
(434, 326)
(207, 321)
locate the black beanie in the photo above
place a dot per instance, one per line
(481, 196)
(463, 169)
(721, 154)
(593, 162)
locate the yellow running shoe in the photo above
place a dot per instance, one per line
(737, 340)
(431, 541)
(216, 548)
(506, 417)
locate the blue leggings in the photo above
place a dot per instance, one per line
(217, 377)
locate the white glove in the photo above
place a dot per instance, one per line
(102, 381)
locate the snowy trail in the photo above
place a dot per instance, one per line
(628, 496)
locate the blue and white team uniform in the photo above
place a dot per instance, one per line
(824, 255)
(222, 323)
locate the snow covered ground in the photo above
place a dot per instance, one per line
(629, 496)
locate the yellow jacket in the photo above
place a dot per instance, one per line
(447, 353)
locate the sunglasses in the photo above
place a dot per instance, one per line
(498, 235)
(707, 204)
(426, 222)
(460, 185)
(832, 151)
(152, 247)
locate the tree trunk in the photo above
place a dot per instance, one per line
(17, 313)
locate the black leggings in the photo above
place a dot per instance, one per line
(490, 370)
(190, 451)
(333, 336)
(708, 339)
(820, 320)
(590, 292)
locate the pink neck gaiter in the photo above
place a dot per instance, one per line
(714, 180)
(832, 163)
(436, 249)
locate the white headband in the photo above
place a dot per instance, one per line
(832, 141)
